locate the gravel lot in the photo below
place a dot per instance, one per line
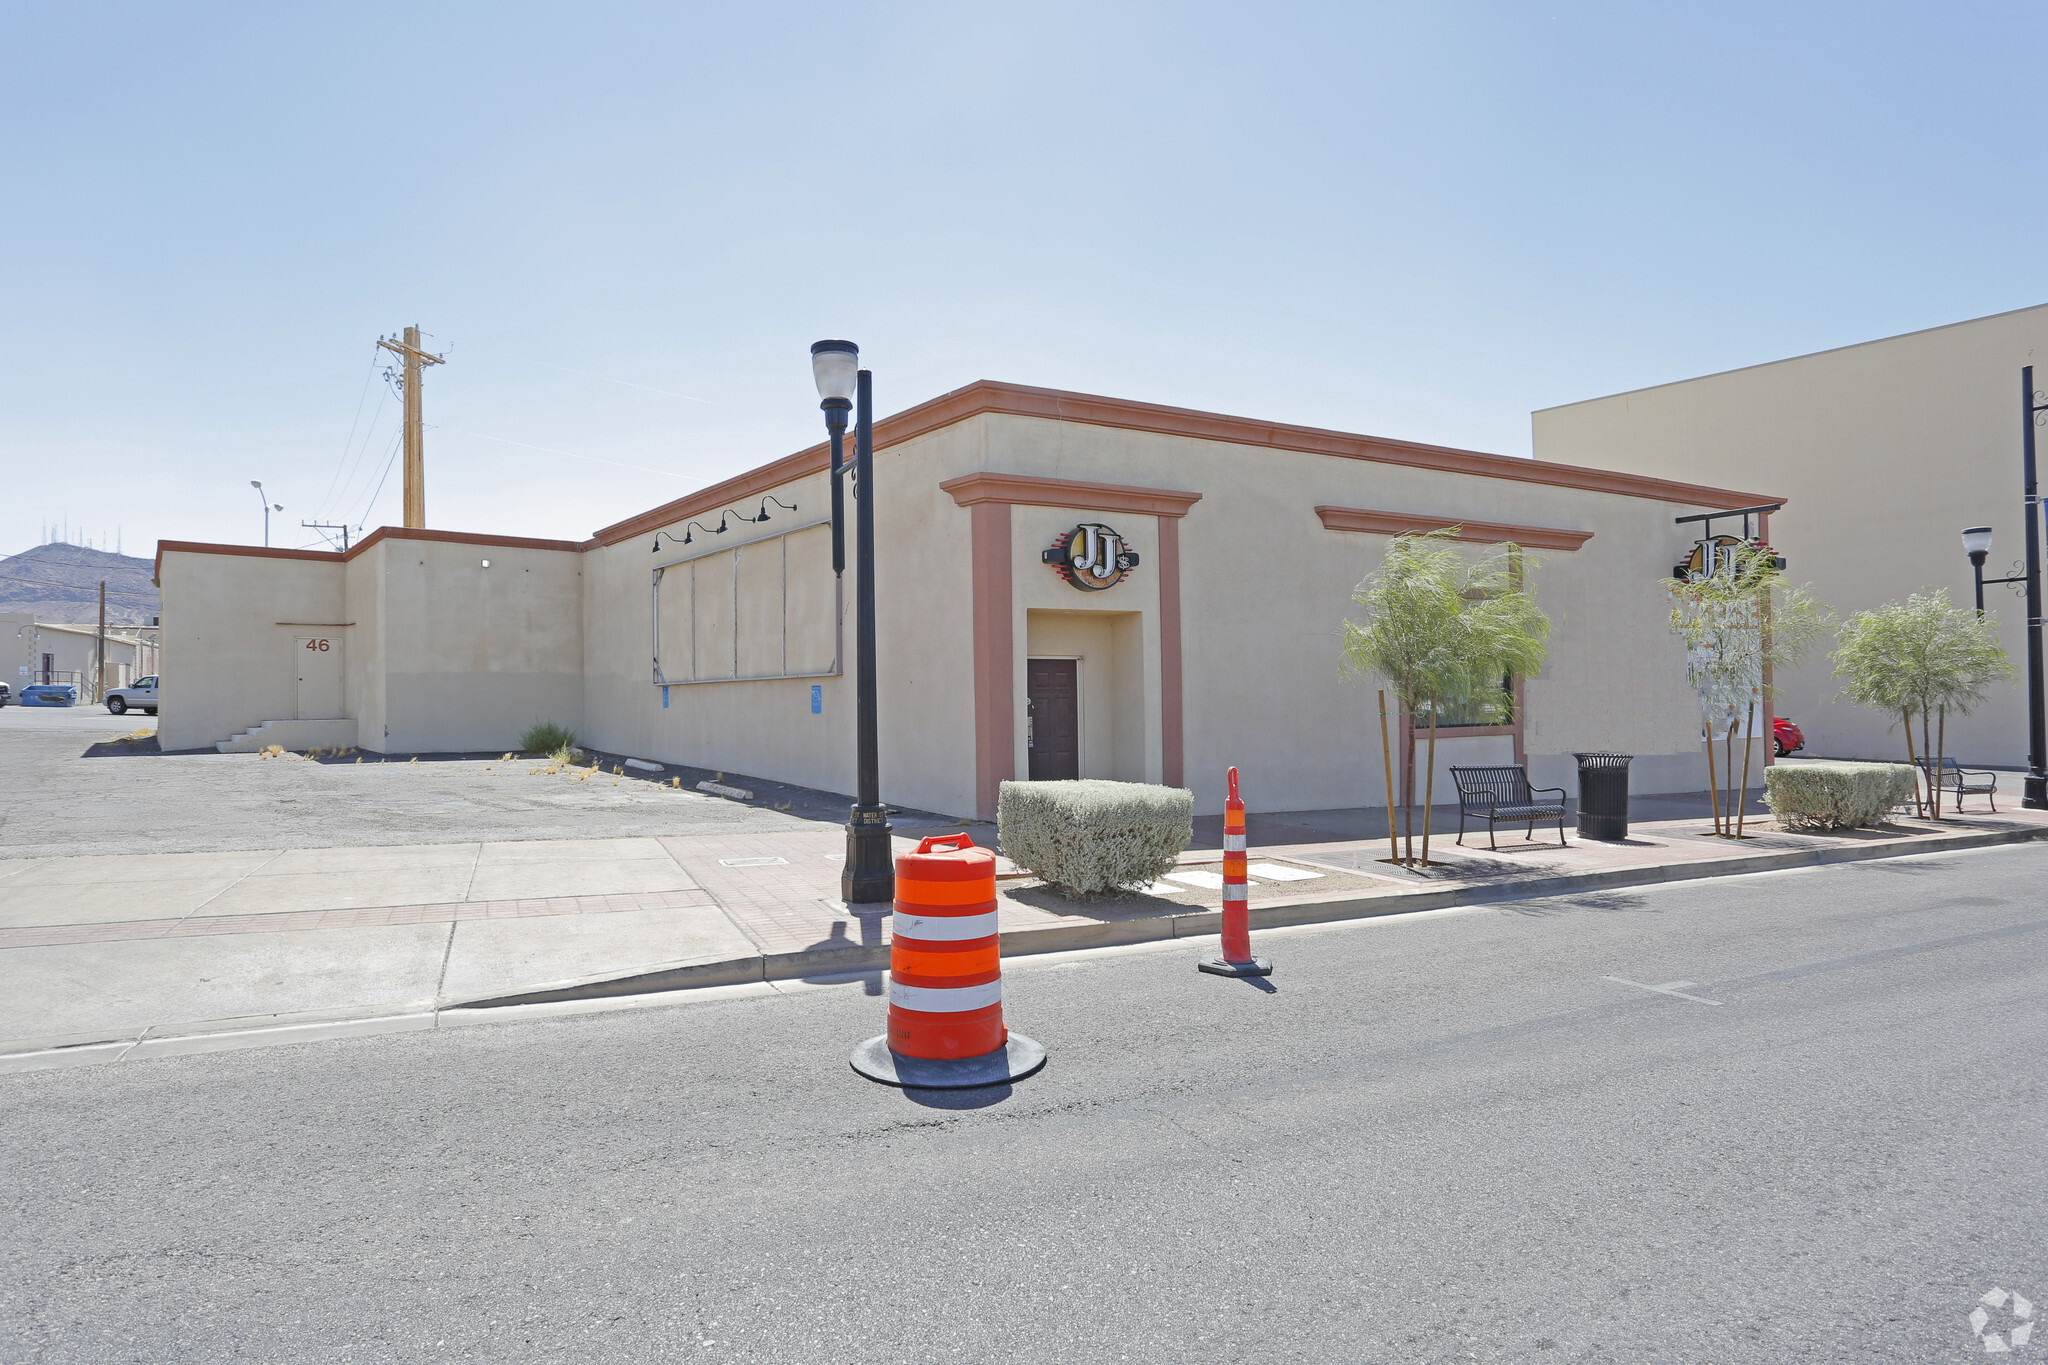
(55, 800)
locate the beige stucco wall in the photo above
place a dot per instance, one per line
(18, 650)
(1265, 590)
(471, 655)
(925, 667)
(1887, 450)
(445, 654)
(440, 653)
(227, 664)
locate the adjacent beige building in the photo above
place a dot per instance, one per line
(1888, 450)
(33, 651)
(1226, 552)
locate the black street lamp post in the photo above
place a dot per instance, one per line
(2036, 791)
(870, 873)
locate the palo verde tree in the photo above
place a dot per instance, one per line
(1443, 628)
(1921, 657)
(1741, 624)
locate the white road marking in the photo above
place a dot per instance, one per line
(1211, 880)
(1275, 872)
(1668, 988)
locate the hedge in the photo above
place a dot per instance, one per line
(1092, 836)
(1836, 795)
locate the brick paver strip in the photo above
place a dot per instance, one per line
(200, 926)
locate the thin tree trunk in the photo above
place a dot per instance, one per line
(1919, 806)
(1407, 724)
(1387, 753)
(1941, 752)
(1728, 768)
(1713, 783)
(1742, 794)
(1429, 783)
(1927, 748)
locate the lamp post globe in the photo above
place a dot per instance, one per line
(1977, 545)
(869, 874)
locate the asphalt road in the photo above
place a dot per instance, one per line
(1442, 1137)
(66, 789)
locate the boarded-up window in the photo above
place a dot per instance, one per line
(766, 609)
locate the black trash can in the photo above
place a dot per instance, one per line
(1603, 795)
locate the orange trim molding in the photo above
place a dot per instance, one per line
(460, 538)
(995, 662)
(970, 489)
(1486, 532)
(1172, 749)
(197, 547)
(1022, 400)
(200, 547)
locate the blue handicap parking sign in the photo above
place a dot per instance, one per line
(817, 699)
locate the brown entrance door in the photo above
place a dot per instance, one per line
(1055, 719)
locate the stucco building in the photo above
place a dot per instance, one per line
(33, 651)
(1888, 449)
(1213, 640)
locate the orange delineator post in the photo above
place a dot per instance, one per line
(946, 1027)
(1236, 958)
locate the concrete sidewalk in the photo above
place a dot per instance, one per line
(104, 957)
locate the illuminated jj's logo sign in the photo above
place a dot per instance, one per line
(1091, 557)
(1717, 555)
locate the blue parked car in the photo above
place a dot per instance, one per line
(49, 694)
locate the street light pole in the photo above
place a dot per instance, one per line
(264, 498)
(869, 874)
(2036, 790)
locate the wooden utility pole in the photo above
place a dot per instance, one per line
(409, 351)
(99, 678)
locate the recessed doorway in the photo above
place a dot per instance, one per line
(1052, 724)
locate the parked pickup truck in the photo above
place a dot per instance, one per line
(140, 695)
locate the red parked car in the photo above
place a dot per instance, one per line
(1789, 737)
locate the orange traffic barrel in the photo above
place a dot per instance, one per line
(946, 977)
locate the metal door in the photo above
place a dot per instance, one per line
(319, 676)
(1053, 719)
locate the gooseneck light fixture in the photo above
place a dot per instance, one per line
(688, 537)
(845, 388)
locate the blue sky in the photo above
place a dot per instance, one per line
(626, 224)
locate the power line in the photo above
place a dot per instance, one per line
(78, 587)
(360, 468)
(625, 383)
(595, 459)
(391, 459)
(361, 399)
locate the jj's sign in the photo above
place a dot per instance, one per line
(1091, 557)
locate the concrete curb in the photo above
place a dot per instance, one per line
(1060, 938)
(647, 987)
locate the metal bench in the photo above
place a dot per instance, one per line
(1961, 782)
(1504, 793)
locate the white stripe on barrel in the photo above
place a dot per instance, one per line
(943, 928)
(949, 1000)
(1233, 843)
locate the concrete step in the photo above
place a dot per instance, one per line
(296, 735)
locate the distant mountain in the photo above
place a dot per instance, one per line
(61, 584)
